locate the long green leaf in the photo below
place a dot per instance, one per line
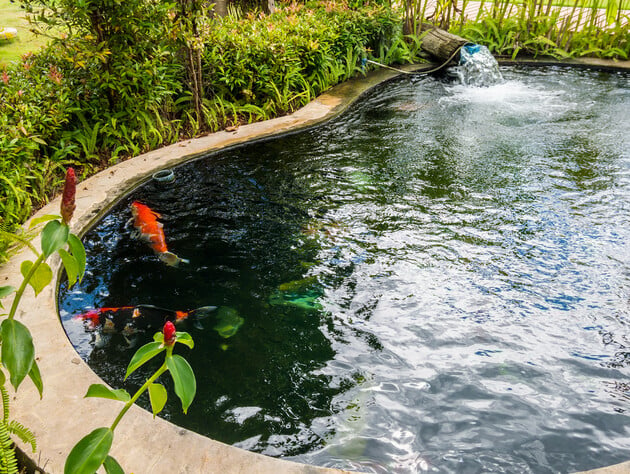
(89, 453)
(54, 236)
(5, 291)
(71, 265)
(39, 220)
(158, 397)
(99, 390)
(112, 467)
(184, 378)
(36, 378)
(144, 354)
(78, 251)
(18, 351)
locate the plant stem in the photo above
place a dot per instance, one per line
(141, 390)
(27, 278)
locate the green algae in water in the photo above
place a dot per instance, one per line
(229, 321)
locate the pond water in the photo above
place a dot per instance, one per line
(439, 281)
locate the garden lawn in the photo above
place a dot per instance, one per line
(13, 16)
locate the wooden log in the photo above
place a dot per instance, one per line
(440, 43)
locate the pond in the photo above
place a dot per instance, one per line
(437, 280)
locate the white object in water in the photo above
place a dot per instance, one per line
(8, 33)
(477, 67)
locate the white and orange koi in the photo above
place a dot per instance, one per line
(145, 220)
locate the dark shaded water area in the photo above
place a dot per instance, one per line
(439, 281)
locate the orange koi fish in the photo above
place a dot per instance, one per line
(145, 220)
(132, 319)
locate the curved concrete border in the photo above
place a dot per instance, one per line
(142, 444)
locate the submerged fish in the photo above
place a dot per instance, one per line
(145, 221)
(132, 319)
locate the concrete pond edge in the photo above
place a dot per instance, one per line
(143, 444)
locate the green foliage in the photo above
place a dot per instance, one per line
(538, 27)
(128, 77)
(92, 451)
(16, 343)
(8, 461)
(263, 66)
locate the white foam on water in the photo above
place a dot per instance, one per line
(510, 96)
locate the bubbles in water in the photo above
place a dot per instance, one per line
(477, 67)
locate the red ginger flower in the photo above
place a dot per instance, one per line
(169, 333)
(69, 193)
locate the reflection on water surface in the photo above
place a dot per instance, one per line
(439, 280)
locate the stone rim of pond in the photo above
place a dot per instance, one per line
(142, 443)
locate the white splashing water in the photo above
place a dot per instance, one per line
(477, 67)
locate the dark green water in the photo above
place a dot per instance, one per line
(438, 280)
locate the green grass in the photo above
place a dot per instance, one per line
(12, 15)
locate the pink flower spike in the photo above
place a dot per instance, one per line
(169, 333)
(69, 192)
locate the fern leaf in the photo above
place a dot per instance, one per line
(8, 462)
(23, 433)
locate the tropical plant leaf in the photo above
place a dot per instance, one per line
(158, 397)
(98, 390)
(78, 251)
(184, 378)
(89, 453)
(39, 220)
(112, 467)
(185, 339)
(40, 278)
(144, 354)
(36, 378)
(54, 236)
(18, 352)
(5, 291)
(71, 265)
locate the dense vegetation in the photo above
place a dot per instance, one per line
(122, 84)
(124, 77)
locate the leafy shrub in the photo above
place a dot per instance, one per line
(119, 82)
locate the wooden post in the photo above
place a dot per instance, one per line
(440, 43)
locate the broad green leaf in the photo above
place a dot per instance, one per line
(41, 278)
(99, 390)
(71, 266)
(158, 397)
(18, 352)
(78, 251)
(54, 236)
(142, 355)
(185, 339)
(5, 291)
(39, 220)
(36, 378)
(112, 467)
(184, 378)
(3, 378)
(89, 453)
(159, 337)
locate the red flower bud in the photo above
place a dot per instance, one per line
(169, 333)
(67, 200)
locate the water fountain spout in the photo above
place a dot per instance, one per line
(477, 67)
